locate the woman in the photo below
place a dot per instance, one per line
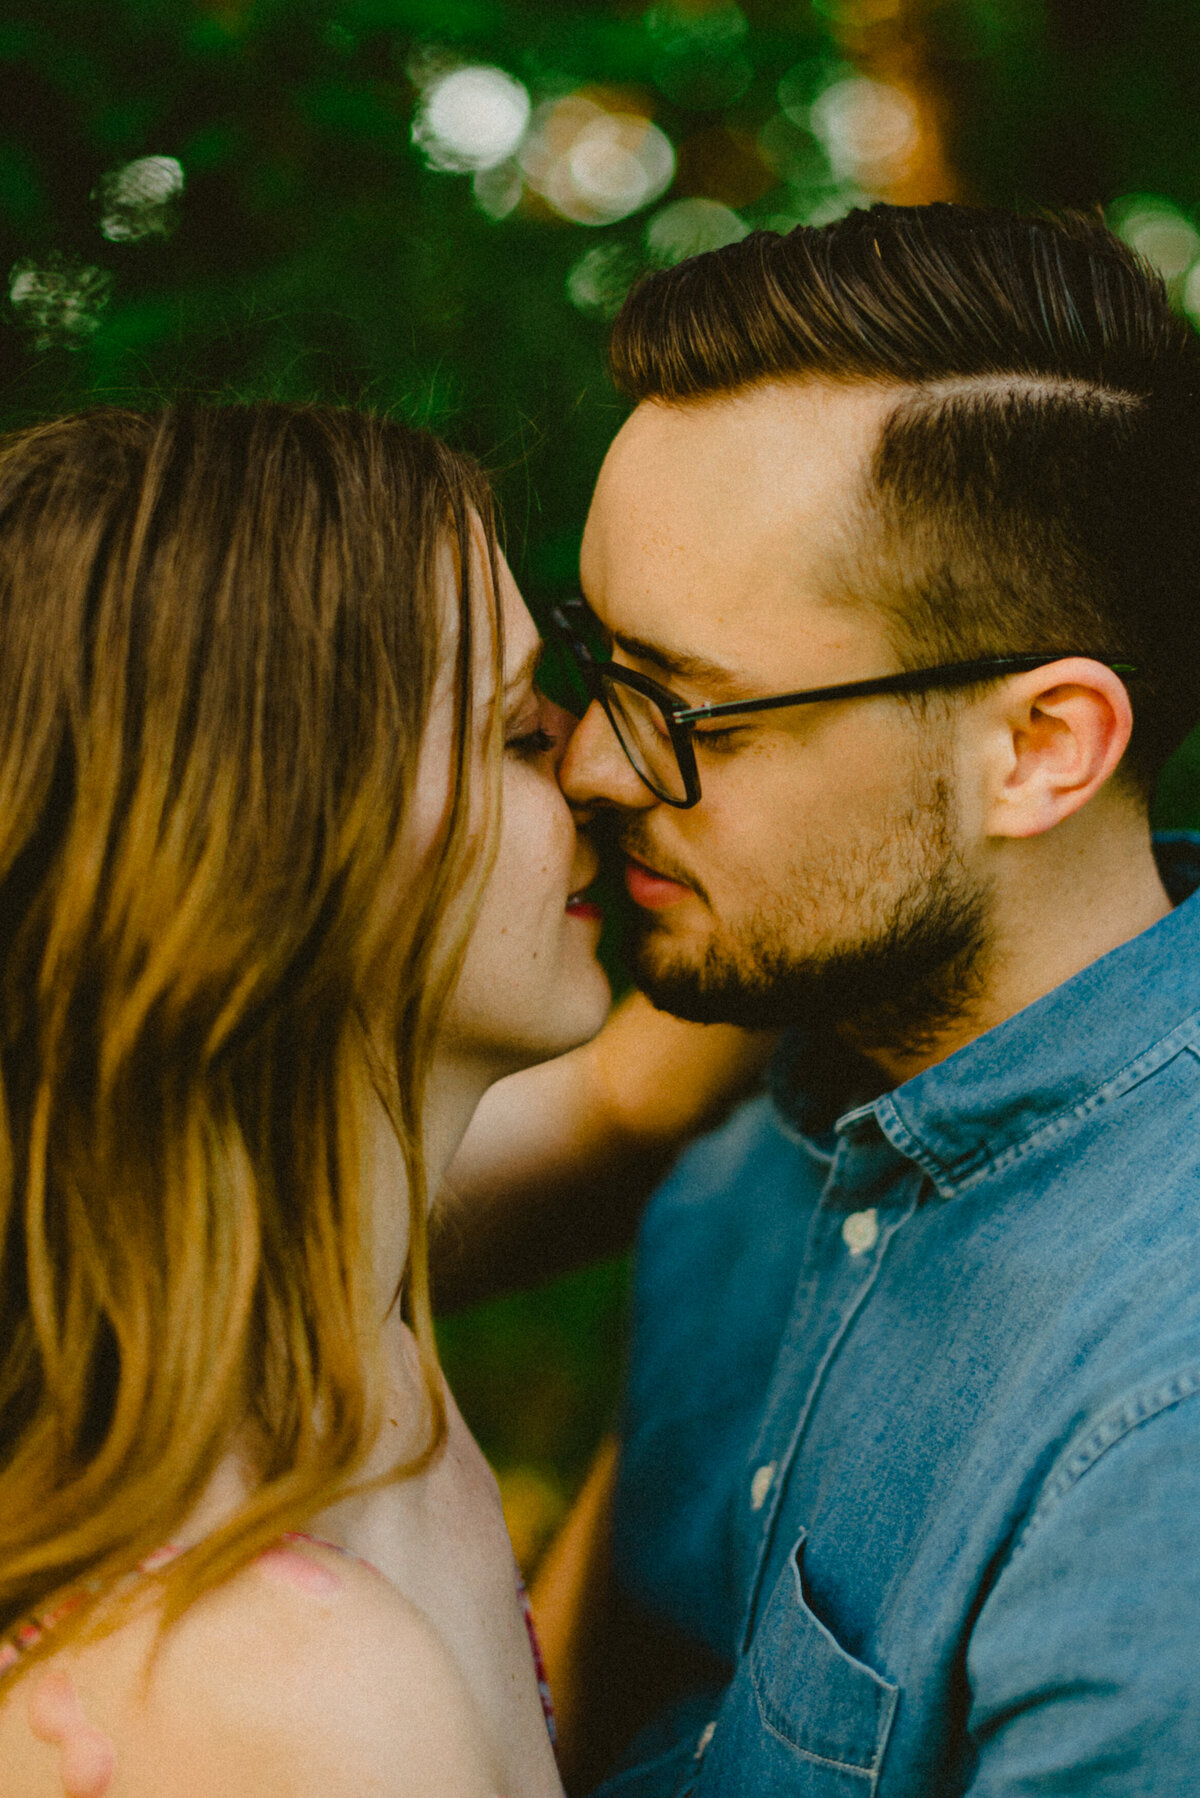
(286, 882)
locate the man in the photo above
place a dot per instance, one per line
(911, 1443)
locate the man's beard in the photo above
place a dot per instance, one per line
(894, 988)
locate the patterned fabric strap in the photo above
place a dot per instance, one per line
(539, 1662)
(28, 1634)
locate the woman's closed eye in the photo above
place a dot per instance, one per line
(531, 742)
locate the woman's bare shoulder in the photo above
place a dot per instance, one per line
(307, 1674)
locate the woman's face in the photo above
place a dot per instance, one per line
(531, 986)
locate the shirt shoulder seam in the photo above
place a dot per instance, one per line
(1092, 1443)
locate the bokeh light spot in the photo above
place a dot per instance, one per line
(59, 300)
(139, 199)
(498, 190)
(594, 166)
(471, 118)
(689, 227)
(601, 278)
(1158, 231)
(835, 204)
(805, 80)
(869, 129)
(793, 152)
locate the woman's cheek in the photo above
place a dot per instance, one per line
(546, 829)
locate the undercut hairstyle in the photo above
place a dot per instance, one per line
(1036, 487)
(222, 630)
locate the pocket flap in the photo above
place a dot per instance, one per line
(813, 1694)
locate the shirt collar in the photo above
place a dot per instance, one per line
(1045, 1062)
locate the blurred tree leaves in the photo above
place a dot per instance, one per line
(316, 255)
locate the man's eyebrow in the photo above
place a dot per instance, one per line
(678, 662)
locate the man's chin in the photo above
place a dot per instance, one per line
(691, 991)
(896, 993)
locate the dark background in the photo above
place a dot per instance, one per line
(293, 238)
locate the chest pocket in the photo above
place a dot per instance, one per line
(802, 1718)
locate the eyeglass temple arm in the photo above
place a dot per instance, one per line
(918, 680)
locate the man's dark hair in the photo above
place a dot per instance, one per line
(1037, 486)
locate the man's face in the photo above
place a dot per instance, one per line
(825, 868)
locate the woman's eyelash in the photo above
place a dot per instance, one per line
(532, 742)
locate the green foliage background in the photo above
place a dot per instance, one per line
(315, 254)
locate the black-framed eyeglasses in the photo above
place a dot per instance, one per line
(656, 729)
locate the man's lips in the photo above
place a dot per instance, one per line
(649, 889)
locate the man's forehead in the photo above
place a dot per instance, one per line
(730, 511)
(780, 444)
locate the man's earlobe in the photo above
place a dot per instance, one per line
(1068, 725)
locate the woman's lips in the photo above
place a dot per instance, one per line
(580, 906)
(650, 890)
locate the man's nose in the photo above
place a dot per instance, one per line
(595, 770)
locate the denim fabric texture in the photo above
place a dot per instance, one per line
(912, 1423)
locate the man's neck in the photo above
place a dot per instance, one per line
(1059, 907)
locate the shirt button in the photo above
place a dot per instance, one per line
(706, 1736)
(760, 1485)
(860, 1232)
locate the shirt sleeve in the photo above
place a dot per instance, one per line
(1084, 1663)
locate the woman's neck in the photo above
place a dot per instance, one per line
(450, 1103)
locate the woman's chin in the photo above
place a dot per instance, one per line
(586, 1003)
(584, 1025)
(597, 1011)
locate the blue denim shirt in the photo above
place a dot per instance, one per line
(912, 1427)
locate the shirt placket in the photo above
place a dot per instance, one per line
(870, 1193)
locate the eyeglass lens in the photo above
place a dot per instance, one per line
(642, 732)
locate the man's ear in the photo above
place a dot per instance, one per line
(1056, 736)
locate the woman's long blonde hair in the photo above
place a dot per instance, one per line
(220, 631)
